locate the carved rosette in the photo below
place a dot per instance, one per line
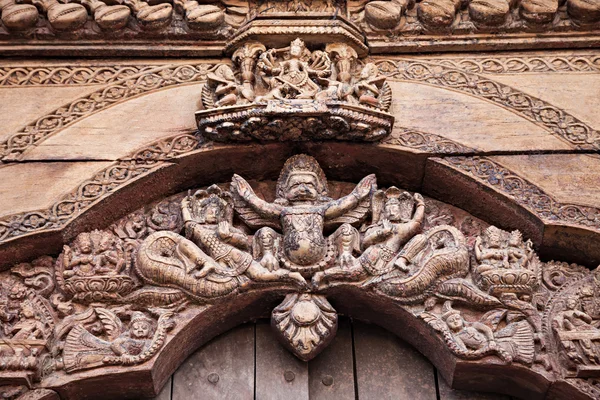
(305, 324)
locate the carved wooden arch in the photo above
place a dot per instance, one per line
(196, 324)
(511, 203)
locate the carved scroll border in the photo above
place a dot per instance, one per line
(70, 75)
(557, 121)
(524, 192)
(109, 73)
(550, 117)
(154, 79)
(576, 63)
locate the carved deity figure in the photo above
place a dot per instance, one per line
(118, 345)
(214, 261)
(580, 328)
(29, 325)
(395, 220)
(292, 77)
(94, 253)
(514, 341)
(505, 264)
(302, 209)
(369, 86)
(224, 85)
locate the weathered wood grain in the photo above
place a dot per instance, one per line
(330, 374)
(279, 374)
(222, 369)
(388, 368)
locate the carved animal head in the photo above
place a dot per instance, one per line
(302, 179)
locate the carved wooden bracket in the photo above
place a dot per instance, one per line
(132, 301)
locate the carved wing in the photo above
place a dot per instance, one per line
(112, 323)
(432, 320)
(250, 217)
(357, 215)
(377, 204)
(385, 97)
(208, 101)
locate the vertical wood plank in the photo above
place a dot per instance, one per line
(447, 393)
(331, 373)
(279, 374)
(388, 368)
(222, 369)
(165, 393)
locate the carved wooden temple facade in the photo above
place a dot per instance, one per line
(173, 169)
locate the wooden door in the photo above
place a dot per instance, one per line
(364, 362)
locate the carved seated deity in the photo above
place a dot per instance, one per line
(214, 261)
(577, 333)
(292, 77)
(505, 264)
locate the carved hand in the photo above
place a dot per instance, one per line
(365, 186)
(242, 187)
(419, 199)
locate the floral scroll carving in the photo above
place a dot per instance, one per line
(117, 297)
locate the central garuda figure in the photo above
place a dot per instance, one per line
(301, 210)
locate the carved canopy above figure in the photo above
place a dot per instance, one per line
(135, 296)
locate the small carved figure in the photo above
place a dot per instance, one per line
(370, 85)
(575, 326)
(504, 263)
(29, 325)
(292, 78)
(215, 262)
(223, 83)
(302, 209)
(266, 245)
(395, 221)
(139, 343)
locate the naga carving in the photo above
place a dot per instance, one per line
(117, 297)
(293, 93)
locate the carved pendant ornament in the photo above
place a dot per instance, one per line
(292, 93)
(115, 298)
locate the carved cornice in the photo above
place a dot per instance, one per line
(525, 193)
(557, 121)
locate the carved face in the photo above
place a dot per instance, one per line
(571, 303)
(27, 310)
(392, 210)
(267, 241)
(211, 213)
(296, 50)
(140, 330)
(302, 187)
(84, 243)
(455, 322)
